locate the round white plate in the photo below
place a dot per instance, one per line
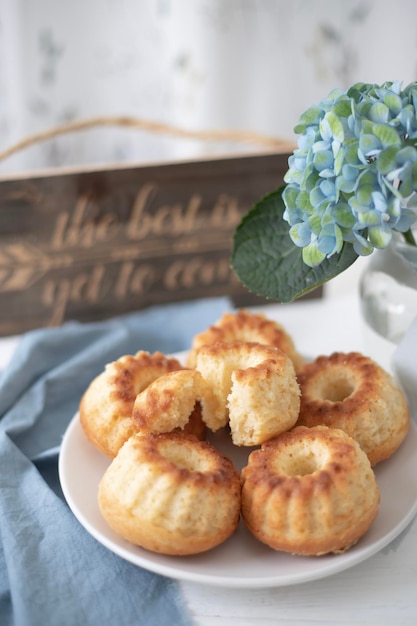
(242, 561)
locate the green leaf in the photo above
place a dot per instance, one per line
(269, 264)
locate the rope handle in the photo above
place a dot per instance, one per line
(153, 127)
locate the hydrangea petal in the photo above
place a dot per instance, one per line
(380, 236)
(387, 135)
(335, 125)
(362, 246)
(312, 256)
(387, 160)
(300, 234)
(379, 112)
(344, 216)
(393, 102)
(406, 220)
(323, 159)
(309, 118)
(355, 169)
(369, 144)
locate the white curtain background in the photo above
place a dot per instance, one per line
(197, 64)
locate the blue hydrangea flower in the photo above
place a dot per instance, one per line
(353, 176)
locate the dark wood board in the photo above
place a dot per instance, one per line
(92, 244)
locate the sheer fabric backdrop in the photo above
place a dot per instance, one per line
(198, 64)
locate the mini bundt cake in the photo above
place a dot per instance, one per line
(107, 404)
(249, 327)
(352, 392)
(255, 389)
(309, 491)
(169, 401)
(170, 494)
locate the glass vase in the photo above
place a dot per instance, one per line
(388, 298)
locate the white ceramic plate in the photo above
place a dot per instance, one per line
(242, 561)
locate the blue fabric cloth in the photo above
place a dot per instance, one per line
(52, 572)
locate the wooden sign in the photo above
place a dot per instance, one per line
(89, 245)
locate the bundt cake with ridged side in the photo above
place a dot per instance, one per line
(310, 491)
(171, 494)
(107, 404)
(246, 326)
(352, 392)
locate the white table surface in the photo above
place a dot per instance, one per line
(380, 591)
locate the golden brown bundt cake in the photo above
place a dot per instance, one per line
(107, 404)
(171, 494)
(249, 327)
(168, 401)
(195, 425)
(309, 491)
(255, 390)
(350, 391)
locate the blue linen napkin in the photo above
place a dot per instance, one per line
(52, 572)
